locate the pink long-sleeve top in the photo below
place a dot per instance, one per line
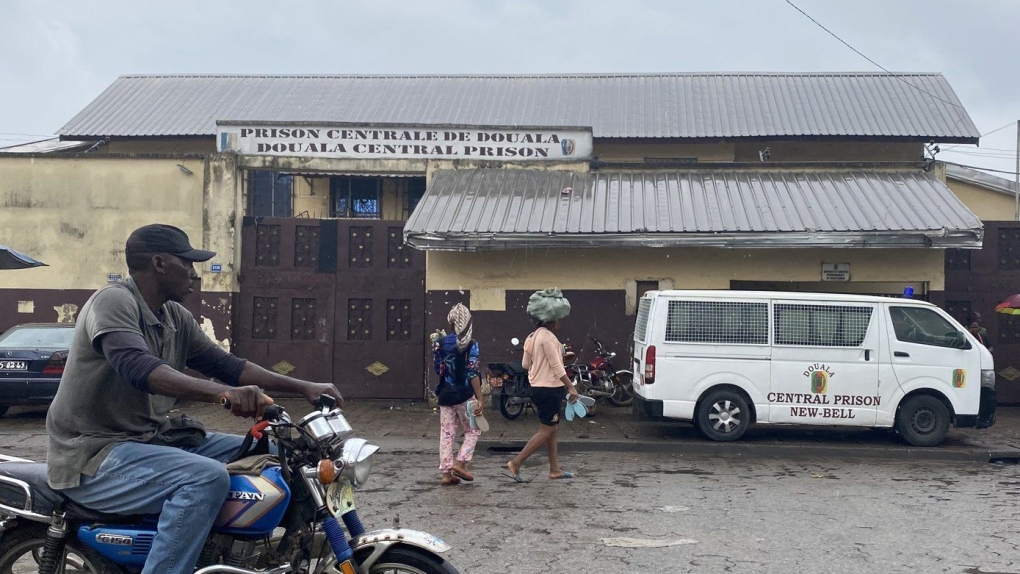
(543, 358)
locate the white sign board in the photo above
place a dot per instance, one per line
(406, 142)
(835, 271)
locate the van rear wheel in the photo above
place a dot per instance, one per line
(923, 421)
(723, 416)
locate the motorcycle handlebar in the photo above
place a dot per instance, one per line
(271, 413)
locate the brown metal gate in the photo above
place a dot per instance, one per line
(334, 300)
(976, 281)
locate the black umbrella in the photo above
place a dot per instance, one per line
(11, 259)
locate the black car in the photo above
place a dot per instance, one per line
(32, 358)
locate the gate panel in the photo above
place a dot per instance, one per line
(287, 296)
(976, 281)
(379, 343)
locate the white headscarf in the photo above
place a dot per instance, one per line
(460, 318)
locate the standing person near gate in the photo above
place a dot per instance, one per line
(543, 358)
(112, 447)
(456, 362)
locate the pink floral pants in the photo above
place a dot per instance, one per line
(450, 418)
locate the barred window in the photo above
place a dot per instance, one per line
(641, 326)
(717, 322)
(821, 325)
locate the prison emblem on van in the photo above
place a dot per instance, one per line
(819, 375)
(959, 378)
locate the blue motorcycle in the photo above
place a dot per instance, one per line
(282, 514)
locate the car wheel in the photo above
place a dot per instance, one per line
(923, 421)
(723, 416)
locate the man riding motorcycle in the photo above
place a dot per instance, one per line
(111, 446)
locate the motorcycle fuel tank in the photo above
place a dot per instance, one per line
(255, 504)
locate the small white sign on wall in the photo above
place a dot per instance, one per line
(835, 271)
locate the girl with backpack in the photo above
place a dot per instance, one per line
(456, 362)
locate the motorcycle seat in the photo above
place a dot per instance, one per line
(512, 367)
(45, 500)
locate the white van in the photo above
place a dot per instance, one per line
(727, 359)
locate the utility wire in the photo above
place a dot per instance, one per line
(985, 168)
(29, 135)
(998, 129)
(880, 66)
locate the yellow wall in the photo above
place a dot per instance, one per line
(76, 213)
(489, 273)
(987, 204)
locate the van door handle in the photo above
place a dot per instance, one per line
(867, 354)
(901, 354)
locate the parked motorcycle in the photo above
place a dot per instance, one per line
(598, 379)
(307, 491)
(510, 380)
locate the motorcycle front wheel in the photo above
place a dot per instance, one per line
(511, 407)
(408, 560)
(623, 390)
(21, 550)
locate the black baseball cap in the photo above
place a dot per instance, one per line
(161, 238)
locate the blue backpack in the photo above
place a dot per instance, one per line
(454, 387)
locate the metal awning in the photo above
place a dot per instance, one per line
(488, 209)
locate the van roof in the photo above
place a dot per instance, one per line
(798, 295)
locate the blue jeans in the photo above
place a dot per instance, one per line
(185, 487)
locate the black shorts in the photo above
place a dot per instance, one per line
(547, 401)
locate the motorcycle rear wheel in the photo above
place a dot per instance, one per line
(21, 549)
(408, 560)
(623, 390)
(511, 407)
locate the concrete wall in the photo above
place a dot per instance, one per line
(987, 204)
(488, 275)
(75, 213)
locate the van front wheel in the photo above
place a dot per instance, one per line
(923, 421)
(723, 416)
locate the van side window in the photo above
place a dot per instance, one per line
(821, 325)
(717, 322)
(924, 327)
(641, 325)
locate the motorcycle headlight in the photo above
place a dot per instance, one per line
(357, 460)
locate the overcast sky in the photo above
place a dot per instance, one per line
(57, 55)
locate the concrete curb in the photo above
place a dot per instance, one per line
(792, 451)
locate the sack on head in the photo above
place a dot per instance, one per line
(548, 305)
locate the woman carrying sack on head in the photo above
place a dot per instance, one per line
(543, 358)
(459, 393)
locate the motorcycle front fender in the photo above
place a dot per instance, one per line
(379, 541)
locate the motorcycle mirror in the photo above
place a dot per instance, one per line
(515, 341)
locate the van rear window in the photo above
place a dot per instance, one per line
(718, 322)
(641, 326)
(821, 325)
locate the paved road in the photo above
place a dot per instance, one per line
(723, 515)
(780, 510)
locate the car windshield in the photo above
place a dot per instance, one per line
(45, 337)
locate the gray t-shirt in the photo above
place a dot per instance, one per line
(94, 408)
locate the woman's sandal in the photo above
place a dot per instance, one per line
(462, 474)
(516, 476)
(564, 474)
(449, 481)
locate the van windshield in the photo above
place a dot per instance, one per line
(925, 327)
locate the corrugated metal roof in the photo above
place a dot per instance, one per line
(512, 208)
(980, 179)
(921, 106)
